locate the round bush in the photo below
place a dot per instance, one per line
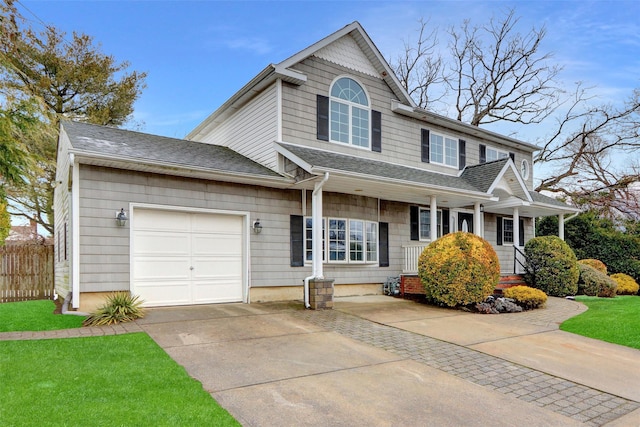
(595, 263)
(526, 296)
(595, 283)
(459, 269)
(552, 266)
(626, 284)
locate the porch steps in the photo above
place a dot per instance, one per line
(508, 281)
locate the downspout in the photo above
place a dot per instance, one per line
(575, 214)
(316, 218)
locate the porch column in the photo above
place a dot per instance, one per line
(316, 217)
(516, 227)
(433, 219)
(561, 226)
(477, 219)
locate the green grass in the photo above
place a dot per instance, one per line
(615, 320)
(119, 380)
(35, 316)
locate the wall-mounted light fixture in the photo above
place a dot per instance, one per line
(121, 218)
(257, 227)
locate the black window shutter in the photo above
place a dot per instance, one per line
(296, 223)
(513, 157)
(424, 145)
(383, 242)
(446, 229)
(483, 153)
(462, 154)
(376, 131)
(323, 117)
(414, 218)
(521, 232)
(499, 230)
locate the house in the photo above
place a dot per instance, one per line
(25, 235)
(322, 153)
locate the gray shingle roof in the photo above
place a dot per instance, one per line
(483, 175)
(143, 147)
(346, 163)
(541, 198)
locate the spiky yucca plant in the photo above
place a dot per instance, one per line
(119, 307)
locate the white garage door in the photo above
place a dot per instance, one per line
(184, 258)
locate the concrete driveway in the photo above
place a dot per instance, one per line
(381, 361)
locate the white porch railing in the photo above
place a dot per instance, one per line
(411, 255)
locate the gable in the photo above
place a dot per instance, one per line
(346, 52)
(498, 177)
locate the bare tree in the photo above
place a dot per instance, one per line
(499, 74)
(420, 67)
(493, 73)
(589, 151)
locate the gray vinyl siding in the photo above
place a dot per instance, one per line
(252, 130)
(104, 252)
(343, 206)
(400, 134)
(61, 206)
(505, 252)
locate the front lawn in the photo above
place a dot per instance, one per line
(615, 320)
(35, 316)
(119, 380)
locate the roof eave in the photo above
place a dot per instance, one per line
(467, 129)
(89, 157)
(265, 78)
(365, 43)
(476, 194)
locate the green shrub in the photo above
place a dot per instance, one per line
(552, 266)
(591, 236)
(526, 296)
(595, 263)
(626, 284)
(119, 307)
(459, 269)
(595, 283)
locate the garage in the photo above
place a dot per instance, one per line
(182, 258)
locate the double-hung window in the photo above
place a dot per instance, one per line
(443, 150)
(345, 240)
(308, 238)
(337, 240)
(494, 154)
(425, 224)
(349, 113)
(507, 231)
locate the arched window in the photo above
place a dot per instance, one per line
(349, 113)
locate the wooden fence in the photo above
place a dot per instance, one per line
(26, 272)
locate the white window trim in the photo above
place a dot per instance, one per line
(444, 137)
(376, 246)
(504, 242)
(351, 105)
(440, 230)
(326, 259)
(324, 249)
(346, 241)
(498, 153)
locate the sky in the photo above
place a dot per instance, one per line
(198, 53)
